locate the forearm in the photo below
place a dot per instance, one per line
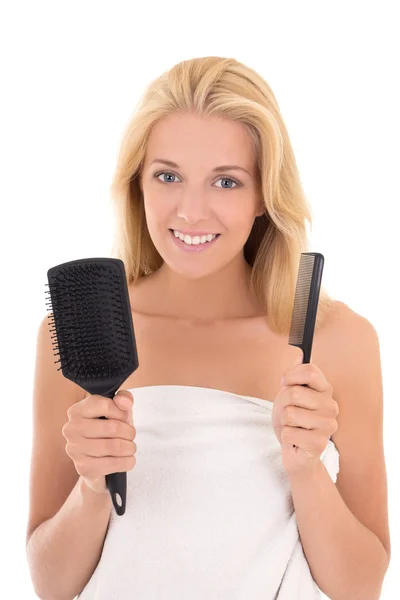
(63, 551)
(346, 559)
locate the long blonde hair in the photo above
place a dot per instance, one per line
(222, 87)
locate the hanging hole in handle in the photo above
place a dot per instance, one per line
(118, 499)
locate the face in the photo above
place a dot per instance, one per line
(193, 197)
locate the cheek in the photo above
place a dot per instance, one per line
(240, 220)
(234, 215)
(157, 212)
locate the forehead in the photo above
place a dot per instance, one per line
(209, 140)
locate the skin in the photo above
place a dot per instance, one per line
(210, 285)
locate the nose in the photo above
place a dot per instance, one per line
(193, 207)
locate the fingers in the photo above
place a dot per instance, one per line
(294, 416)
(94, 406)
(308, 374)
(101, 446)
(103, 428)
(90, 467)
(305, 397)
(123, 399)
(113, 447)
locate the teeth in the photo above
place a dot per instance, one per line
(195, 240)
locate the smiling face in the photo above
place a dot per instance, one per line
(195, 196)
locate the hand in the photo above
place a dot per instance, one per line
(304, 418)
(101, 446)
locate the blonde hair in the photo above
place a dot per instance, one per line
(227, 88)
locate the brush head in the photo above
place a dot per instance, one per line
(93, 329)
(306, 301)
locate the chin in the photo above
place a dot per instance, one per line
(190, 271)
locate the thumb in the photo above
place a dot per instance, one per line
(298, 360)
(124, 400)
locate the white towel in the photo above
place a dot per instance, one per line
(209, 512)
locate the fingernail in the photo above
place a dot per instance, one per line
(125, 401)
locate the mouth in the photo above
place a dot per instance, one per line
(216, 234)
(192, 247)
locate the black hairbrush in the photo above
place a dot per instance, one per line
(305, 306)
(95, 338)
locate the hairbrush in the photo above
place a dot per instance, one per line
(305, 306)
(95, 338)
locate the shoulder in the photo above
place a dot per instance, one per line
(351, 361)
(346, 332)
(348, 348)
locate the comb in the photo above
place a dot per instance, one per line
(94, 334)
(305, 305)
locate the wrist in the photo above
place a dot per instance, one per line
(307, 474)
(92, 495)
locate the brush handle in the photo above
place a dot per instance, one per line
(116, 485)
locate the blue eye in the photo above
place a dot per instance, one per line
(236, 183)
(228, 179)
(164, 173)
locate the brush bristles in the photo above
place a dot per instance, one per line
(300, 305)
(88, 320)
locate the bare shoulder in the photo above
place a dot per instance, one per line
(346, 343)
(343, 328)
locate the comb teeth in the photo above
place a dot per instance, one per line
(301, 298)
(90, 319)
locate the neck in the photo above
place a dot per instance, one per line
(224, 294)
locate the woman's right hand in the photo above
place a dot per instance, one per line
(101, 446)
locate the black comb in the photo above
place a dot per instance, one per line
(305, 305)
(95, 339)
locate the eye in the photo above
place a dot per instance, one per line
(224, 178)
(164, 173)
(229, 179)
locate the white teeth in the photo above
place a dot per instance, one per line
(195, 240)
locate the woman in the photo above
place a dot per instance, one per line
(234, 486)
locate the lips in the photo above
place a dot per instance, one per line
(192, 247)
(194, 235)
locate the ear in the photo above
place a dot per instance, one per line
(261, 209)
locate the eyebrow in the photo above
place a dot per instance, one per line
(170, 163)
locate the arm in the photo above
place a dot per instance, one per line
(344, 527)
(67, 521)
(346, 559)
(64, 550)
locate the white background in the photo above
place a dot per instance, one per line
(71, 73)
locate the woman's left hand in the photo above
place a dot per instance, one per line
(304, 418)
